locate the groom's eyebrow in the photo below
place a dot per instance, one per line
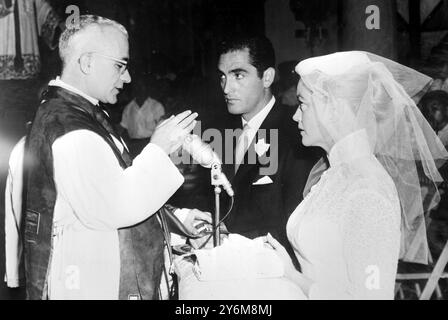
(238, 70)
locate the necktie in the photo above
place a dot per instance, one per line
(242, 145)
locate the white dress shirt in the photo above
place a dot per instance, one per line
(256, 122)
(250, 129)
(141, 121)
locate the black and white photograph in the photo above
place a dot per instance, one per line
(232, 153)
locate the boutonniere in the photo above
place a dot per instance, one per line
(261, 147)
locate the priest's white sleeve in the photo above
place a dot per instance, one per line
(103, 195)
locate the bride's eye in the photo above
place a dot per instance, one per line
(301, 105)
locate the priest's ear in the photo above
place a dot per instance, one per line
(268, 77)
(85, 63)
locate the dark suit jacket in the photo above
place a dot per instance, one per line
(259, 209)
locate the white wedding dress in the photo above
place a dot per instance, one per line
(346, 232)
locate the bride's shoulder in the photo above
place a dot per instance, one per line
(378, 186)
(373, 192)
(370, 188)
(368, 176)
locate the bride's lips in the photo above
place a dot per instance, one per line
(231, 100)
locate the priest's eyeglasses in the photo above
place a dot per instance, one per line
(121, 65)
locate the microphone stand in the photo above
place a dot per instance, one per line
(216, 181)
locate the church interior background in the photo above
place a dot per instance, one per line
(174, 42)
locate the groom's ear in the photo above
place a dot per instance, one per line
(268, 77)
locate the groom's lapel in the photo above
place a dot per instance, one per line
(263, 135)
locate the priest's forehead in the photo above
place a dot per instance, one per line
(92, 34)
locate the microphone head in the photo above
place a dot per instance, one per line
(200, 151)
(219, 179)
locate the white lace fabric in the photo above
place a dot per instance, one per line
(346, 232)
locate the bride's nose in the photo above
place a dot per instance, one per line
(298, 115)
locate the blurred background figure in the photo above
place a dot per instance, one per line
(434, 106)
(141, 116)
(437, 85)
(287, 83)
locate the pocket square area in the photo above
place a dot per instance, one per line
(262, 181)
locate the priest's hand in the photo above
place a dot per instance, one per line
(171, 133)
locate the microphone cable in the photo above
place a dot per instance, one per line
(228, 212)
(220, 221)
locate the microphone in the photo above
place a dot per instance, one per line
(200, 151)
(220, 179)
(206, 157)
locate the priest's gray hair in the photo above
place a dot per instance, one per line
(70, 36)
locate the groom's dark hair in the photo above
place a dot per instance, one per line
(261, 51)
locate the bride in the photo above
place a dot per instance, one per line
(365, 212)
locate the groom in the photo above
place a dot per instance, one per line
(270, 166)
